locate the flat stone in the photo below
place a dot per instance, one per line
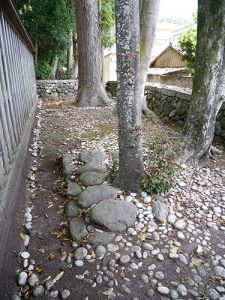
(79, 263)
(92, 155)
(219, 271)
(72, 209)
(112, 247)
(174, 294)
(160, 210)
(92, 178)
(147, 246)
(182, 290)
(114, 215)
(73, 189)
(78, 230)
(80, 253)
(92, 167)
(102, 238)
(95, 194)
(25, 255)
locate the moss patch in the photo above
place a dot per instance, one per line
(107, 128)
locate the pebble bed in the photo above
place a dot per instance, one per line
(179, 257)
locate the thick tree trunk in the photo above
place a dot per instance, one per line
(54, 66)
(209, 81)
(90, 91)
(128, 99)
(149, 10)
(70, 56)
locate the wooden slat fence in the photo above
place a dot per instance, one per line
(17, 91)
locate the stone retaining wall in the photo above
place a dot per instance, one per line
(172, 103)
(56, 88)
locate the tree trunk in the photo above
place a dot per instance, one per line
(70, 56)
(128, 99)
(90, 91)
(75, 58)
(209, 81)
(54, 66)
(149, 10)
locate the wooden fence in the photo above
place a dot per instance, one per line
(17, 85)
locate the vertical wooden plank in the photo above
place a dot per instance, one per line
(6, 71)
(2, 172)
(5, 157)
(12, 75)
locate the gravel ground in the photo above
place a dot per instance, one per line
(180, 257)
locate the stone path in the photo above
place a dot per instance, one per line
(175, 249)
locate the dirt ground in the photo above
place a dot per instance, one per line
(65, 128)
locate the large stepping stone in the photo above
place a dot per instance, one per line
(114, 215)
(73, 189)
(67, 166)
(92, 167)
(102, 238)
(96, 193)
(71, 209)
(92, 156)
(92, 178)
(78, 230)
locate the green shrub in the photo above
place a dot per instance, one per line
(43, 70)
(157, 176)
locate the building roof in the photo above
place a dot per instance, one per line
(170, 57)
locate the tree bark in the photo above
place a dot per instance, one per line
(90, 91)
(149, 10)
(54, 66)
(209, 81)
(70, 56)
(128, 98)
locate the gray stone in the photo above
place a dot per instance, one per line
(124, 259)
(100, 250)
(73, 189)
(150, 292)
(172, 219)
(163, 290)
(92, 155)
(219, 271)
(67, 167)
(65, 294)
(114, 215)
(79, 263)
(160, 210)
(180, 224)
(112, 247)
(80, 253)
(181, 289)
(91, 167)
(174, 294)
(183, 259)
(212, 294)
(92, 178)
(77, 229)
(126, 289)
(95, 194)
(33, 280)
(38, 291)
(102, 238)
(16, 297)
(71, 209)
(147, 246)
(22, 278)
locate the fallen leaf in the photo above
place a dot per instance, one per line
(39, 269)
(51, 256)
(107, 293)
(58, 277)
(86, 273)
(22, 236)
(142, 237)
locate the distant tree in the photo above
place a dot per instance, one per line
(209, 81)
(49, 23)
(187, 44)
(128, 98)
(107, 22)
(90, 91)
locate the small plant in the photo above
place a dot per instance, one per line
(113, 171)
(157, 175)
